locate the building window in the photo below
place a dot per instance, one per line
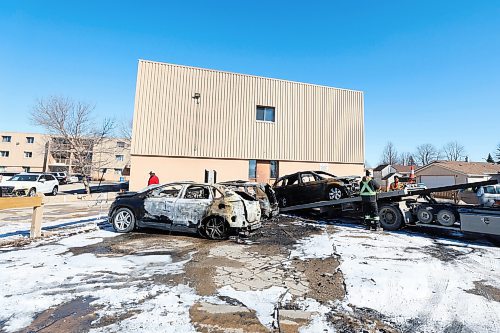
(252, 169)
(265, 113)
(4, 153)
(274, 169)
(30, 139)
(26, 169)
(28, 154)
(118, 172)
(6, 138)
(119, 158)
(2, 168)
(120, 144)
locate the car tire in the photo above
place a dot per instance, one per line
(390, 217)
(32, 192)
(425, 215)
(214, 227)
(54, 191)
(334, 193)
(446, 217)
(123, 220)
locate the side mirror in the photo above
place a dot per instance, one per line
(42, 180)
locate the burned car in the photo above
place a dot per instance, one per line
(263, 192)
(213, 211)
(311, 186)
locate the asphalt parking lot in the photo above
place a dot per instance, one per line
(293, 275)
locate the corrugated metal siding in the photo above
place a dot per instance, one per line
(312, 123)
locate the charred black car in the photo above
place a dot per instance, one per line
(311, 186)
(263, 192)
(213, 211)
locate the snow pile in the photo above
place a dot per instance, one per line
(408, 277)
(37, 278)
(317, 246)
(318, 321)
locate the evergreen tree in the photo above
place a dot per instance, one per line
(490, 159)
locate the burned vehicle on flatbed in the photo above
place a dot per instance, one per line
(263, 192)
(311, 186)
(213, 211)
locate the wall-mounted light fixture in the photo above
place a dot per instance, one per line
(197, 97)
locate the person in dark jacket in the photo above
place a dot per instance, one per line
(153, 179)
(368, 195)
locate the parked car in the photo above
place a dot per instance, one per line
(62, 177)
(488, 195)
(28, 184)
(263, 192)
(310, 186)
(73, 179)
(213, 211)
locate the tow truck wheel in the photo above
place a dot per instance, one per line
(425, 215)
(446, 217)
(390, 218)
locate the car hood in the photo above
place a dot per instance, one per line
(16, 184)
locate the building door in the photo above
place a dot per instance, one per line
(263, 171)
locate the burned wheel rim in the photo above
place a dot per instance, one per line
(122, 221)
(216, 228)
(334, 193)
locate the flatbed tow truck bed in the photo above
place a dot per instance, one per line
(418, 208)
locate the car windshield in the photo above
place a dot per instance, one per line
(24, 178)
(325, 175)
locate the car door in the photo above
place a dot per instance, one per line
(41, 185)
(310, 188)
(159, 205)
(193, 205)
(291, 190)
(50, 182)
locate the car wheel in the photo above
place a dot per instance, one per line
(215, 228)
(123, 220)
(390, 218)
(425, 215)
(446, 217)
(54, 191)
(32, 192)
(334, 193)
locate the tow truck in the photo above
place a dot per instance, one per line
(418, 208)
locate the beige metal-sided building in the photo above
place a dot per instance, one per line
(188, 120)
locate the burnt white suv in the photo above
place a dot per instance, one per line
(29, 184)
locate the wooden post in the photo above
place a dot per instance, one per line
(36, 219)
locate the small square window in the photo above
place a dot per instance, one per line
(118, 172)
(26, 169)
(6, 138)
(119, 158)
(30, 139)
(120, 144)
(266, 113)
(28, 154)
(252, 169)
(4, 153)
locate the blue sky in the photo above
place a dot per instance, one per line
(430, 70)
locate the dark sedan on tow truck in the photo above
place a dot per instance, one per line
(213, 211)
(311, 186)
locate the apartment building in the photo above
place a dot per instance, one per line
(187, 120)
(22, 152)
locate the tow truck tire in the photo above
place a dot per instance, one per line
(390, 217)
(446, 217)
(425, 215)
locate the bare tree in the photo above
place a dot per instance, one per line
(125, 130)
(426, 153)
(389, 154)
(454, 151)
(76, 137)
(406, 158)
(498, 154)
